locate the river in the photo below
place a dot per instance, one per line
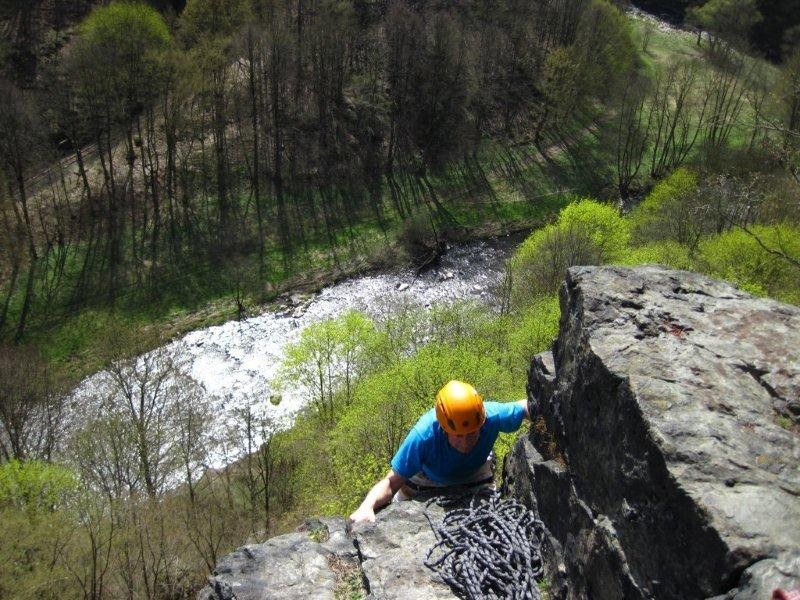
(234, 365)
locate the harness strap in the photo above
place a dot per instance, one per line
(468, 485)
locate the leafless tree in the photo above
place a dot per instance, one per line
(633, 134)
(676, 116)
(31, 405)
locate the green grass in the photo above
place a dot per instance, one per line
(665, 45)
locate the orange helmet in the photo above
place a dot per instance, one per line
(459, 408)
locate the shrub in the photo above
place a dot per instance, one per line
(667, 253)
(669, 212)
(35, 487)
(738, 257)
(586, 233)
(531, 332)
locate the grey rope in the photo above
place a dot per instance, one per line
(487, 547)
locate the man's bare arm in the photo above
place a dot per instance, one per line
(380, 495)
(527, 406)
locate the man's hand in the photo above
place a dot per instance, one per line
(363, 514)
(532, 407)
(380, 495)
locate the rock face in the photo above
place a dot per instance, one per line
(326, 561)
(666, 460)
(304, 564)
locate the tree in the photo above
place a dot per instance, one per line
(780, 18)
(116, 68)
(788, 89)
(633, 134)
(328, 357)
(208, 27)
(676, 116)
(440, 94)
(19, 141)
(604, 49)
(136, 435)
(11, 243)
(31, 405)
(726, 20)
(594, 66)
(726, 93)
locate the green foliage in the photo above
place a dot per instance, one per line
(729, 19)
(587, 232)
(328, 357)
(669, 212)
(606, 48)
(788, 93)
(593, 66)
(108, 26)
(562, 71)
(374, 376)
(35, 487)
(211, 18)
(737, 256)
(667, 253)
(36, 499)
(30, 557)
(412, 353)
(602, 222)
(386, 405)
(531, 331)
(117, 64)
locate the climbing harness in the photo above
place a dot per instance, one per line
(416, 487)
(487, 547)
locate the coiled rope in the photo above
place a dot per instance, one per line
(487, 549)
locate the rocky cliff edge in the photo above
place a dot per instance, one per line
(666, 460)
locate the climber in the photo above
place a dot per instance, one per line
(450, 445)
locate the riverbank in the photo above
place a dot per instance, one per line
(84, 345)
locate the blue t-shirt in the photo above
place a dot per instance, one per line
(426, 447)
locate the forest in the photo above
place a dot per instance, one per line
(168, 165)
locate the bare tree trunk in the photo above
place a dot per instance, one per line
(14, 244)
(255, 103)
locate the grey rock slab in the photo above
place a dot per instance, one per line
(390, 553)
(339, 541)
(393, 551)
(287, 566)
(705, 384)
(760, 579)
(581, 551)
